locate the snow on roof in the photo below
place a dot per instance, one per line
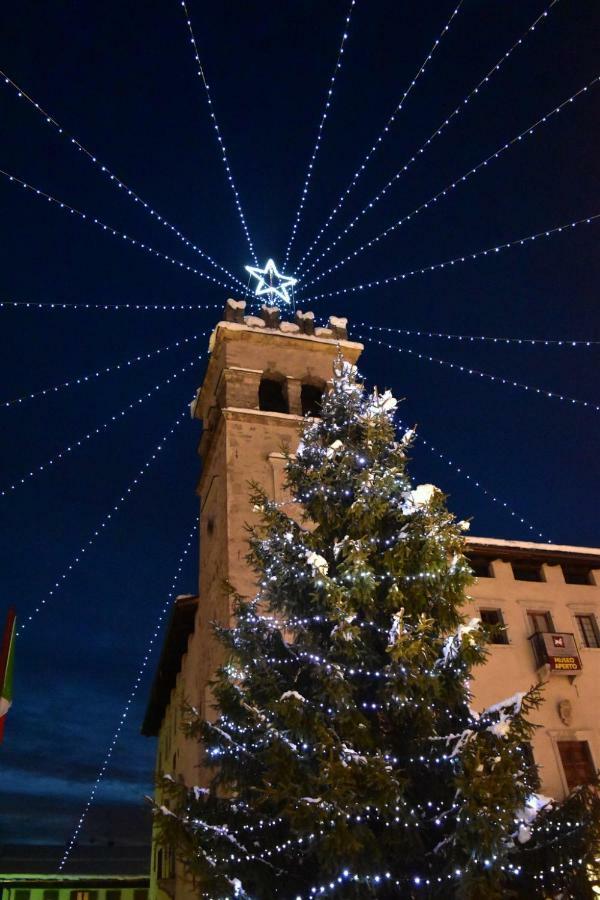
(531, 546)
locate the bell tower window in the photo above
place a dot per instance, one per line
(271, 395)
(311, 397)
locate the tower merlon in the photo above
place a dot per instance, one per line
(247, 349)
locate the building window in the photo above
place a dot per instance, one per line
(577, 763)
(525, 570)
(50, 894)
(113, 895)
(22, 894)
(271, 396)
(140, 894)
(539, 621)
(574, 574)
(84, 895)
(480, 567)
(493, 620)
(311, 398)
(588, 628)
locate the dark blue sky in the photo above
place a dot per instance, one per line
(121, 77)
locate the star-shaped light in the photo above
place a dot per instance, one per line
(272, 282)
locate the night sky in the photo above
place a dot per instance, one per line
(120, 76)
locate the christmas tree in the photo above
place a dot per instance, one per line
(346, 759)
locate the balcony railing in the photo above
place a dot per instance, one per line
(556, 650)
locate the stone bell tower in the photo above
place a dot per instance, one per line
(263, 376)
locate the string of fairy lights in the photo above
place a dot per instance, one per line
(474, 338)
(104, 426)
(378, 140)
(457, 260)
(435, 197)
(92, 376)
(217, 130)
(131, 697)
(59, 305)
(491, 495)
(324, 117)
(469, 370)
(108, 229)
(439, 130)
(234, 283)
(103, 523)
(114, 179)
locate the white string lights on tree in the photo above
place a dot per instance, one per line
(386, 879)
(129, 192)
(455, 112)
(378, 140)
(132, 695)
(104, 523)
(115, 233)
(324, 116)
(68, 449)
(91, 376)
(443, 193)
(467, 257)
(215, 125)
(469, 370)
(473, 338)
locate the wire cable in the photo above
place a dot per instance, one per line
(115, 233)
(129, 192)
(57, 304)
(472, 338)
(104, 426)
(443, 193)
(455, 112)
(468, 370)
(324, 116)
(467, 257)
(126, 708)
(215, 125)
(104, 522)
(378, 140)
(91, 376)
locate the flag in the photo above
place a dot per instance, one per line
(7, 662)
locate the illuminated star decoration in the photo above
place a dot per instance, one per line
(272, 282)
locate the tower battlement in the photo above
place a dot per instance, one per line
(270, 318)
(263, 363)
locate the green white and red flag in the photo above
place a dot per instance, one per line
(7, 664)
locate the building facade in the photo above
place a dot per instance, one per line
(73, 887)
(262, 378)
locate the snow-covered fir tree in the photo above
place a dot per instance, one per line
(347, 761)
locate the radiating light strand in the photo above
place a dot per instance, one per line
(472, 338)
(215, 125)
(34, 304)
(68, 449)
(324, 116)
(91, 376)
(132, 694)
(488, 493)
(461, 179)
(129, 192)
(378, 140)
(115, 233)
(469, 370)
(104, 522)
(488, 251)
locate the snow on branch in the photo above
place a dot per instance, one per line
(454, 642)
